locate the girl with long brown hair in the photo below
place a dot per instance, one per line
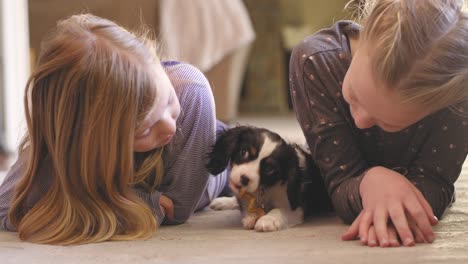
(116, 140)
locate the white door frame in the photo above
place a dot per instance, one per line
(16, 67)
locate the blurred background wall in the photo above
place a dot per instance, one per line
(248, 79)
(14, 66)
(280, 25)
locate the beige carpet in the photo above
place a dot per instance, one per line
(217, 237)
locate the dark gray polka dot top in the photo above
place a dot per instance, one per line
(430, 153)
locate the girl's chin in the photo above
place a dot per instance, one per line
(160, 144)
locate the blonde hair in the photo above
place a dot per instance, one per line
(419, 48)
(93, 84)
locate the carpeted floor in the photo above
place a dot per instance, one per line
(217, 237)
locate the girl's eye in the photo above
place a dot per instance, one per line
(144, 133)
(244, 153)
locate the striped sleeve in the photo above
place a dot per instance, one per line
(186, 176)
(7, 192)
(152, 200)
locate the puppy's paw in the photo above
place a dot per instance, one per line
(269, 223)
(224, 203)
(249, 221)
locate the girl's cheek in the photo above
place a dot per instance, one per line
(143, 145)
(144, 134)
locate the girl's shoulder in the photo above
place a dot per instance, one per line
(459, 113)
(189, 83)
(454, 117)
(327, 39)
(196, 103)
(181, 73)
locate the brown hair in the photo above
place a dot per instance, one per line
(93, 84)
(419, 48)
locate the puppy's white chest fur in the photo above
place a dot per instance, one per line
(280, 214)
(275, 202)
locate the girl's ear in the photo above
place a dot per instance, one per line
(223, 149)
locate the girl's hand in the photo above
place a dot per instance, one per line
(167, 206)
(392, 237)
(388, 198)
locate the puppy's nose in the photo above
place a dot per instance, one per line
(244, 180)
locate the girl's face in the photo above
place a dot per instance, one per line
(373, 105)
(159, 126)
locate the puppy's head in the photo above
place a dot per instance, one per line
(257, 157)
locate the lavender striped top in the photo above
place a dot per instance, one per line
(185, 157)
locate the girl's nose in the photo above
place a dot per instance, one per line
(167, 126)
(362, 119)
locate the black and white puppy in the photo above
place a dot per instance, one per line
(281, 176)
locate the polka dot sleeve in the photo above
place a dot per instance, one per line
(315, 83)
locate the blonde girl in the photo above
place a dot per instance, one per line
(384, 110)
(116, 141)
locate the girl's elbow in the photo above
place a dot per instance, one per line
(180, 216)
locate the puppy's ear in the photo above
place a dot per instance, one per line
(222, 150)
(294, 179)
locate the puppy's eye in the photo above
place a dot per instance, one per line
(244, 153)
(268, 169)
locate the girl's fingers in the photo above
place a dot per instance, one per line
(168, 206)
(418, 215)
(380, 224)
(353, 230)
(393, 237)
(417, 233)
(426, 206)
(372, 238)
(364, 225)
(398, 217)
